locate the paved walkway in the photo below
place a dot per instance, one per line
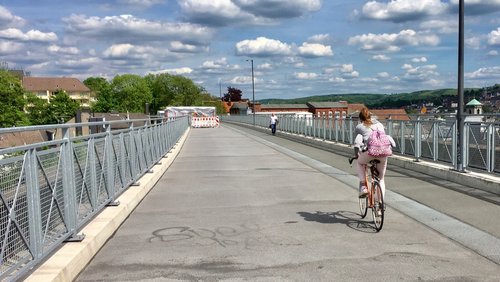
(238, 205)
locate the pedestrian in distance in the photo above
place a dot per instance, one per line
(273, 122)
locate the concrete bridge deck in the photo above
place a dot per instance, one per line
(241, 205)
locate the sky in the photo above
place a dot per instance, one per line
(297, 48)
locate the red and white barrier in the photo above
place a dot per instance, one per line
(203, 122)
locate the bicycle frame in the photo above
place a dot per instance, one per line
(375, 197)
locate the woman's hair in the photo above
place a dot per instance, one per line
(365, 116)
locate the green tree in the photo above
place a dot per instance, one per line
(186, 92)
(12, 101)
(162, 89)
(131, 93)
(61, 107)
(105, 101)
(37, 110)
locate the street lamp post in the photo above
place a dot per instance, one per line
(460, 89)
(253, 93)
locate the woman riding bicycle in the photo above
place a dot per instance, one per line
(363, 132)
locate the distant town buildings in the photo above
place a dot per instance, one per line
(340, 109)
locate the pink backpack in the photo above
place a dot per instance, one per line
(379, 144)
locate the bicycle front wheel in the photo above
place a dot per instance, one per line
(363, 206)
(378, 207)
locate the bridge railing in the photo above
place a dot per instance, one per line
(421, 137)
(50, 190)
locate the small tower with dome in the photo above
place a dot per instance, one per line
(474, 107)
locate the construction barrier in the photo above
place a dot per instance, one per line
(200, 122)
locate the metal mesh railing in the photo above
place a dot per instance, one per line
(49, 190)
(424, 137)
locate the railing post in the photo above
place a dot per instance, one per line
(330, 127)
(33, 203)
(465, 146)
(403, 141)
(314, 127)
(68, 186)
(336, 128)
(435, 141)
(490, 148)
(110, 171)
(324, 128)
(351, 131)
(418, 139)
(93, 173)
(454, 145)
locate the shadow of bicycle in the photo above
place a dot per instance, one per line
(348, 218)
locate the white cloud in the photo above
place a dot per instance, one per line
(484, 73)
(426, 73)
(278, 8)
(177, 46)
(32, 35)
(478, 7)
(406, 66)
(83, 63)
(63, 50)
(215, 12)
(218, 66)
(494, 37)
(305, 75)
(346, 68)
(441, 26)
(118, 51)
(383, 75)
(318, 38)
(347, 71)
(7, 19)
(128, 52)
(241, 80)
(176, 71)
(310, 50)
(381, 57)
(141, 3)
(419, 60)
(265, 66)
(402, 10)
(336, 79)
(262, 46)
(392, 42)
(245, 12)
(493, 53)
(473, 42)
(125, 27)
(7, 47)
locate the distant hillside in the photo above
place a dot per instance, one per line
(383, 100)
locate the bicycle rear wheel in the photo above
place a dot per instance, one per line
(378, 207)
(363, 206)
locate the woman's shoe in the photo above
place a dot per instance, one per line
(363, 191)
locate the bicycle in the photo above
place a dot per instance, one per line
(375, 198)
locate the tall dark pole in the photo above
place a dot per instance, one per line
(220, 90)
(460, 89)
(253, 93)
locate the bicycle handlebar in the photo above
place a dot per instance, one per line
(351, 160)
